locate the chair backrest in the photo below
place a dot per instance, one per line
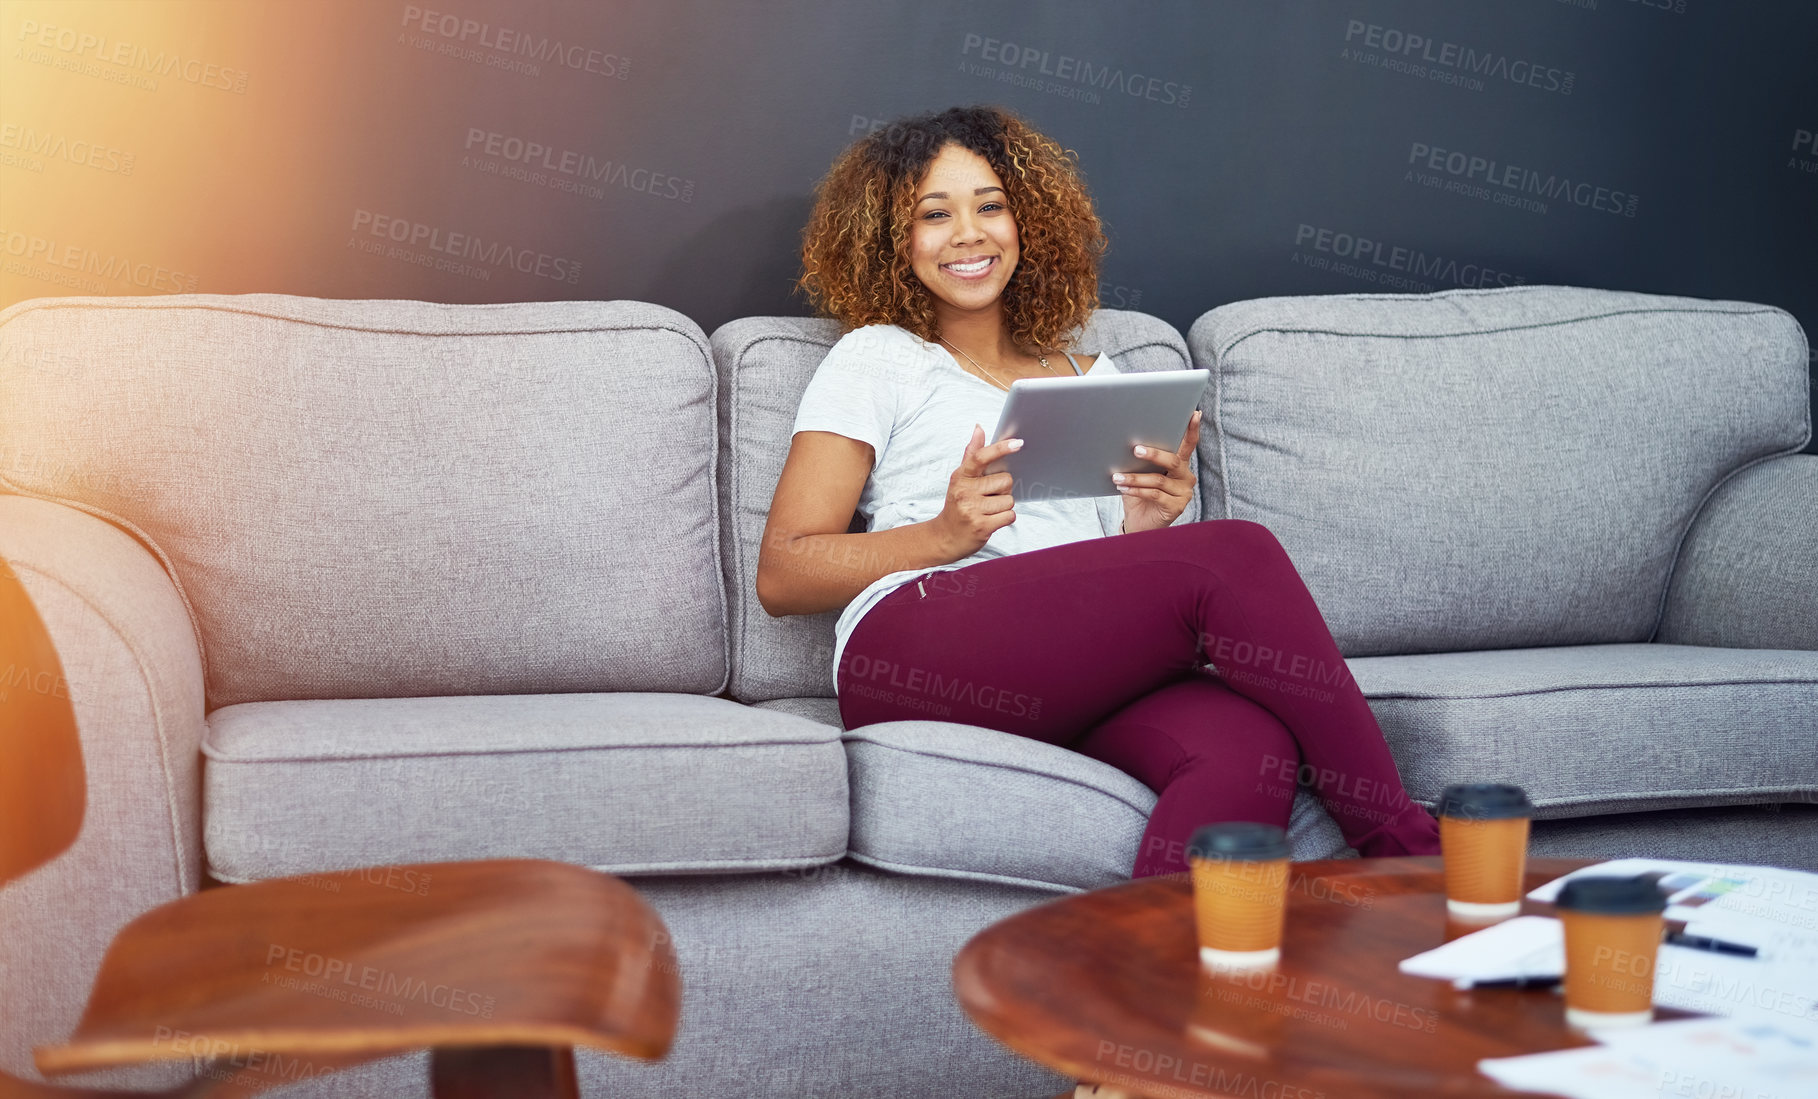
(1485, 469)
(43, 788)
(764, 364)
(386, 498)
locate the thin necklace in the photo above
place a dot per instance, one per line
(987, 373)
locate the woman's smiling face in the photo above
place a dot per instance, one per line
(963, 240)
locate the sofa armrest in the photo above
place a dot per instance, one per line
(133, 672)
(1747, 574)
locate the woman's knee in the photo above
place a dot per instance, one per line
(1242, 541)
(1229, 726)
(1238, 531)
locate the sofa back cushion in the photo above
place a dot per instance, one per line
(1481, 469)
(764, 364)
(364, 499)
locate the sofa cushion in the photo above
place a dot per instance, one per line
(631, 783)
(763, 365)
(1603, 728)
(1780, 835)
(1489, 469)
(391, 498)
(960, 801)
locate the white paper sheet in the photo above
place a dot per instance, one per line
(1525, 946)
(1693, 1058)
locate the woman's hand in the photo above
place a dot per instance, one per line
(978, 503)
(1154, 500)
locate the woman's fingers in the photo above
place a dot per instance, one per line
(1177, 491)
(1151, 480)
(1159, 457)
(1192, 439)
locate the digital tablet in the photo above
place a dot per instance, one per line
(1078, 431)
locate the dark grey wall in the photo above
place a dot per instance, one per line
(1236, 149)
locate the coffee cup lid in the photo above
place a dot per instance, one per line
(1611, 896)
(1239, 839)
(1485, 801)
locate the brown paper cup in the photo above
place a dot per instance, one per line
(1240, 893)
(1483, 836)
(1485, 862)
(1613, 929)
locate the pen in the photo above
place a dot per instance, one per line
(1465, 983)
(1716, 946)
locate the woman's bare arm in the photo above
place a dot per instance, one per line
(807, 562)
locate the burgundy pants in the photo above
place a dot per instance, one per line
(1100, 646)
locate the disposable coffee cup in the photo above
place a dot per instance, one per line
(1613, 928)
(1483, 837)
(1240, 893)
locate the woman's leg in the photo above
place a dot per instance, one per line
(1208, 752)
(1051, 642)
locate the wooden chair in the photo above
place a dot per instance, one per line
(499, 967)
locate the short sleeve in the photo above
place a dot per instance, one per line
(852, 393)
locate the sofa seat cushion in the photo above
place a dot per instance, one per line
(1590, 729)
(961, 801)
(628, 783)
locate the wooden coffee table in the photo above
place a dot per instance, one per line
(1107, 987)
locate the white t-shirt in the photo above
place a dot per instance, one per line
(884, 385)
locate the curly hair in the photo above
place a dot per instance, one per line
(856, 250)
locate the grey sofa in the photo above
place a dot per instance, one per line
(346, 583)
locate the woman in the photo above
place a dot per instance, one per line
(960, 251)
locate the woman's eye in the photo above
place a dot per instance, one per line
(982, 209)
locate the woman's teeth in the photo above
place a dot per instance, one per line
(969, 268)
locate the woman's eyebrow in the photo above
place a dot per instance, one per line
(943, 194)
